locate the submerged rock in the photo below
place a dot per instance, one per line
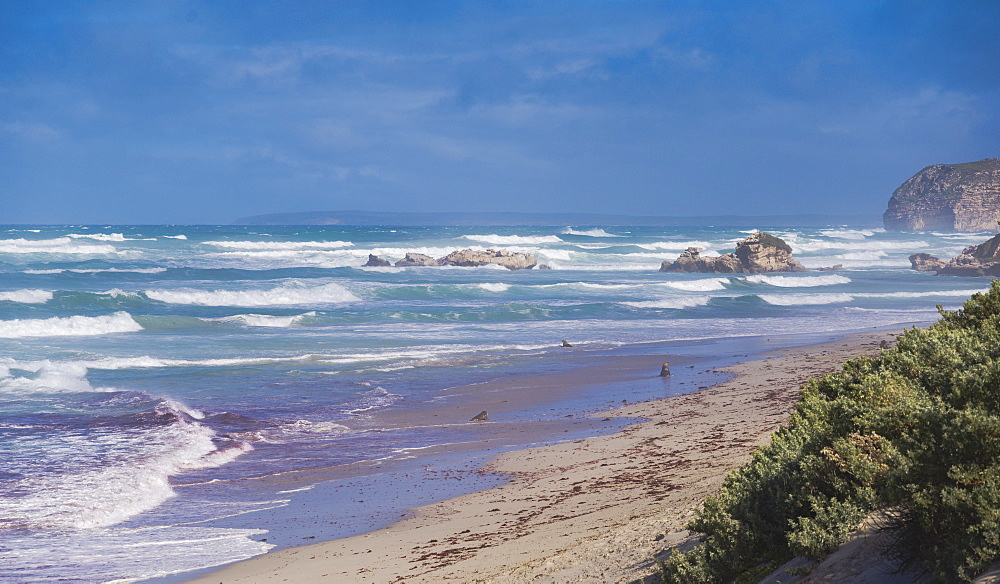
(758, 253)
(472, 258)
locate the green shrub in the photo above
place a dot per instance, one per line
(915, 431)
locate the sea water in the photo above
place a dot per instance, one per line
(138, 359)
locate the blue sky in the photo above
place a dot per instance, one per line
(203, 112)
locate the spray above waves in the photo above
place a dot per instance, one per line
(292, 293)
(71, 326)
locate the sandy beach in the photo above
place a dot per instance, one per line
(596, 509)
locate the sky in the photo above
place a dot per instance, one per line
(180, 111)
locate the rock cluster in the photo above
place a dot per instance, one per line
(758, 253)
(464, 258)
(948, 197)
(975, 260)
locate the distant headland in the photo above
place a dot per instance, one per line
(948, 197)
(543, 219)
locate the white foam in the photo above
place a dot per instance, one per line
(105, 495)
(27, 296)
(293, 293)
(927, 294)
(278, 245)
(495, 239)
(596, 232)
(866, 256)
(181, 236)
(849, 233)
(262, 320)
(43, 377)
(804, 299)
(556, 254)
(799, 281)
(99, 271)
(122, 556)
(675, 245)
(866, 245)
(494, 287)
(703, 285)
(61, 245)
(98, 236)
(674, 302)
(72, 326)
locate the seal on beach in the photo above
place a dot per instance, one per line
(481, 417)
(665, 370)
(566, 343)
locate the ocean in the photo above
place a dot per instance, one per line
(165, 388)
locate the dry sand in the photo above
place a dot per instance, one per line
(593, 510)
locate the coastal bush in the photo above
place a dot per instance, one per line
(914, 432)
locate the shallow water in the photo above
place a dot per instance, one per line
(146, 370)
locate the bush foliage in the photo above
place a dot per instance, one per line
(914, 432)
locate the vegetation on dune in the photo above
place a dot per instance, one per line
(914, 432)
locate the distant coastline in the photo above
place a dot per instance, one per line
(446, 219)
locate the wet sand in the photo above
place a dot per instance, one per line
(596, 509)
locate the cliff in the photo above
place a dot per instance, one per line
(948, 197)
(760, 252)
(975, 260)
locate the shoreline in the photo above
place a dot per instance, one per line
(594, 509)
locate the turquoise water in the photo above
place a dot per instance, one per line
(134, 359)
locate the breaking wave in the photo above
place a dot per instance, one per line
(799, 281)
(71, 326)
(495, 239)
(288, 294)
(32, 296)
(596, 232)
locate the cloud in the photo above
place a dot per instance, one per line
(36, 133)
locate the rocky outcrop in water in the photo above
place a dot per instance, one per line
(974, 261)
(473, 258)
(925, 262)
(416, 259)
(758, 253)
(467, 258)
(376, 262)
(948, 197)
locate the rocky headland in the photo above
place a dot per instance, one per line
(948, 197)
(756, 254)
(975, 260)
(464, 258)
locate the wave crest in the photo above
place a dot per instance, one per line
(289, 294)
(71, 326)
